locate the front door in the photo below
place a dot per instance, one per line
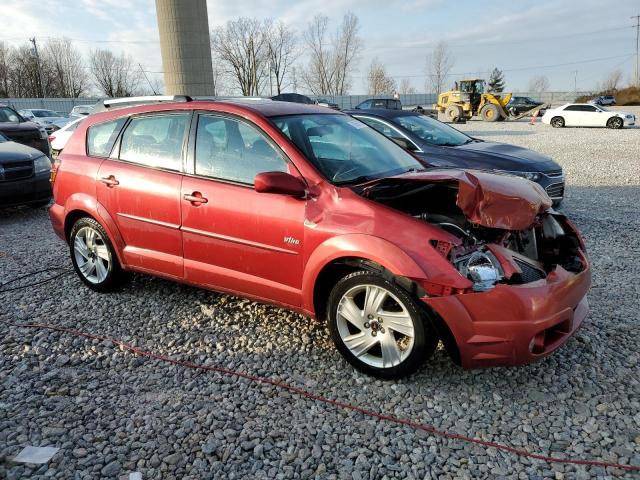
(140, 188)
(235, 238)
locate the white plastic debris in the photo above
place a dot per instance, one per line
(135, 476)
(37, 455)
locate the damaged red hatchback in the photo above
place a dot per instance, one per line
(307, 208)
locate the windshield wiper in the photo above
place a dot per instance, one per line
(360, 179)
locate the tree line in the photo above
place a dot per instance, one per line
(60, 70)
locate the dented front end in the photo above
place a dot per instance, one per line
(526, 266)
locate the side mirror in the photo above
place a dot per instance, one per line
(280, 182)
(404, 143)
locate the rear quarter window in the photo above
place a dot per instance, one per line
(101, 137)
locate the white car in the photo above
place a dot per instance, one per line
(43, 117)
(81, 111)
(587, 115)
(59, 138)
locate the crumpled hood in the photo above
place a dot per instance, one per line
(487, 199)
(492, 156)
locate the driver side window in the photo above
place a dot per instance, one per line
(228, 149)
(381, 127)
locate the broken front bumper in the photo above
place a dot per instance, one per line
(515, 324)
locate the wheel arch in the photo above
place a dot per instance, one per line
(82, 205)
(346, 253)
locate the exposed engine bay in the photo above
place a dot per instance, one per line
(486, 255)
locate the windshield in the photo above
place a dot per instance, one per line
(8, 115)
(432, 131)
(44, 113)
(345, 150)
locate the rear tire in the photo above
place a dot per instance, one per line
(453, 113)
(377, 327)
(557, 122)
(93, 256)
(615, 123)
(490, 113)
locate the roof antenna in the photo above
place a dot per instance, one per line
(147, 79)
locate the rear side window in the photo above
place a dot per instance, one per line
(101, 137)
(155, 140)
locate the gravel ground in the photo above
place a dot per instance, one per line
(112, 413)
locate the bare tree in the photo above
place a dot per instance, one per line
(24, 74)
(348, 47)
(5, 70)
(612, 82)
(114, 76)
(439, 65)
(282, 52)
(242, 45)
(539, 84)
(378, 82)
(219, 76)
(70, 78)
(405, 87)
(331, 60)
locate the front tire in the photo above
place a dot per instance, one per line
(557, 122)
(615, 123)
(377, 327)
(490, 113)
(93, 256)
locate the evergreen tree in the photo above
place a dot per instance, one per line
(496, 81)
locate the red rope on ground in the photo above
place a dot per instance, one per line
(346, 406)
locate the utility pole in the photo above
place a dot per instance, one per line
(575, 81)
(637, 17)
(43, 91)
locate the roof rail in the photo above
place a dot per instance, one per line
(114, 103)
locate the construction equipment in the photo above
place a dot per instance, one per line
(469, 99)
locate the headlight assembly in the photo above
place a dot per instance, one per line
(483, 269)
(42, 164)
(533, 176)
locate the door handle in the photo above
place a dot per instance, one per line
(195, 198)
(110, 181)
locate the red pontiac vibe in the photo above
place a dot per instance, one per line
(308, 208)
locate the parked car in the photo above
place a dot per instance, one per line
(437, 144)
(323, 102)
(18, 129)
(386, 103)
(43, 117)
(520, 105)
(81, 111)
(587, 115)
(604, 100)
(293, 97)
(59, 138)
(310, 209)
(24, 175)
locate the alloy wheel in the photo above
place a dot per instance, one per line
(375, 326)
(91, 254)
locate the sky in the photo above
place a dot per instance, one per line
(571, 42)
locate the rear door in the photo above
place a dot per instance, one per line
(572, 115)
(140, 188)
(234, 237)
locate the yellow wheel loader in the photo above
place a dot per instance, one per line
(469, 99)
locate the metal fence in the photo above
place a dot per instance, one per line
(64, 105)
